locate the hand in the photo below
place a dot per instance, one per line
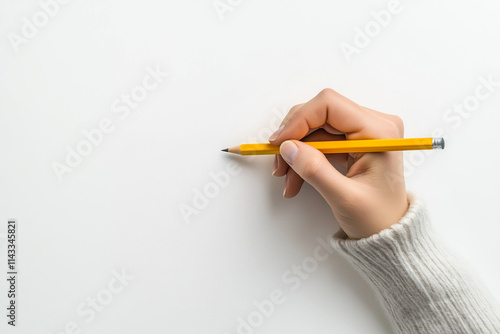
(371, 196)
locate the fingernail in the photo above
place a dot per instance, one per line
(288, 151)
(275, 164)
(276, 133)
(284, 188)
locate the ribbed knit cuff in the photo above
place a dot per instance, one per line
(422, 288)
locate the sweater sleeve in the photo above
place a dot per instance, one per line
(421, 286)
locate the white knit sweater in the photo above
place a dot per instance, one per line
(421, 286)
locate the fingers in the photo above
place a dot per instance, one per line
(313, 167)
(335, 115)
(340, 114)
(388, 125)
(293, 183)
(280, 167)
(292, 111)
(328, 107)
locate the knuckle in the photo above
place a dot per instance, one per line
(327, 93)
(399, 123)
(290, 114)
(395, 127)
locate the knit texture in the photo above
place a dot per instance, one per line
(421, 286)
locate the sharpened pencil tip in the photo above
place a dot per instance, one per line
(225, 150)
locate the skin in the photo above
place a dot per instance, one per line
(366, 191)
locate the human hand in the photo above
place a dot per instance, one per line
(371, 196)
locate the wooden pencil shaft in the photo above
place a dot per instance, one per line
(347, 146)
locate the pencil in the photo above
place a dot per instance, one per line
(347, 146)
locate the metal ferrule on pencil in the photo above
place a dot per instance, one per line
(438, 143)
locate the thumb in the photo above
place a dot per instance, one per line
(312, 165)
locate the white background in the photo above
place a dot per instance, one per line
(229, 76)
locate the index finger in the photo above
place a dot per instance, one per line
(334, 109)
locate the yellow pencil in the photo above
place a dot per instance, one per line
(348, 146)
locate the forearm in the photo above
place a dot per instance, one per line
(421, 286)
